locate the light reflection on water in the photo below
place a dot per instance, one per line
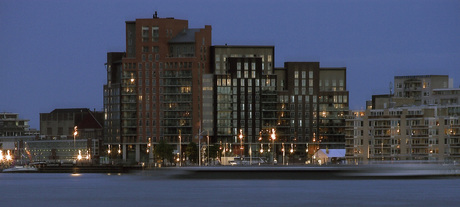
(138, 190)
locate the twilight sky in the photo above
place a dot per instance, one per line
(53, 51)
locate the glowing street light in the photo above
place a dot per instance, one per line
(273, 137)
(180, 149)
(79, 157)
(284, 153)
(75, 133)
(8, 156)
(241, 145)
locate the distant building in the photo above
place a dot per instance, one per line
(418, 122)
(405, 133)
(14, 133)
(12, 125)
(62, 123)
(420, 87)
(66, 133)
(415, 91)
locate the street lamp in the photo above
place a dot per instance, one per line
(273, 137)
(284, 152)
(75, 133)
(199, 145)
(241, 145)
(8, 156)
(79, 155)
(180, 149)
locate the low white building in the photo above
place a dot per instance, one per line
(326, 156)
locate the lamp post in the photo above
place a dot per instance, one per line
(284, 152)
(241, 145)
(150, 151)
(273, 137)
(207, 152)
(199, 146)
(74, 135)
(180, 149)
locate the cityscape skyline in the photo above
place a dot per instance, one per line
(50, 61)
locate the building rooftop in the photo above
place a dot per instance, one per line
(70, 110)
(419, 76)
(245, 46)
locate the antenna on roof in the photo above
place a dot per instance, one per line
(155, 15)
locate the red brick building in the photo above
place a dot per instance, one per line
(154, 90)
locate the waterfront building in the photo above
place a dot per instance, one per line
(154, 91)
(67, 133)
(12, 125)
(303, 103)
(404, 133)
(415, 91)
(172, 85)
(418, 122)
(15, 132)
(317, 102)
(241, 74)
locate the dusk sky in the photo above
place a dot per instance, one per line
(53, 52)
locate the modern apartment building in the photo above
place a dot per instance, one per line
(172, 82)
(317, 100)
(241, 74)
(303, 103)
(155, 90)
(405, 133)
(418, 122)
(413, 91)
(14, 132)
(12, 125)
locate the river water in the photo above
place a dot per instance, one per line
(140, 190)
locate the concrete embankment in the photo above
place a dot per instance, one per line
(304, 173)
(87, 169)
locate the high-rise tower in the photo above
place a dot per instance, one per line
(154, 91)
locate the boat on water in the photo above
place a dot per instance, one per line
(20, 169)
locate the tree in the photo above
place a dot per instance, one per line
(164, 151)
(192, 152)
(213, 149)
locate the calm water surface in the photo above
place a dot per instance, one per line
(139, 190)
